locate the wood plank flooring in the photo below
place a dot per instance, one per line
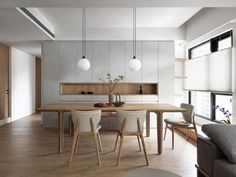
(29, 150)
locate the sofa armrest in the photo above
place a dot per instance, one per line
(207, 152)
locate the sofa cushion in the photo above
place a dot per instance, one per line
(223, 168)
(224, 136)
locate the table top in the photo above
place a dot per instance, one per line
(152, 107)
(150, 172)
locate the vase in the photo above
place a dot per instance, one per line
(110, 99)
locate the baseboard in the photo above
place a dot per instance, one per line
(5, 121)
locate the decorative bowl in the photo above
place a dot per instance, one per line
(118, 104)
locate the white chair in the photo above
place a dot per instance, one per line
(186, 122)
(86, 123)
(130, 124)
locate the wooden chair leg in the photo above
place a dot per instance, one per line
(187, 137)
(142, 139)
(194, 126)
(97, 149)
(139, 145)
(173, 136)
(99, 141)
(144, 148)
(76, 143)
(73, 148)
(195, 129)
(117, 138)
(95, 140)
(165, 131)
(120, 148)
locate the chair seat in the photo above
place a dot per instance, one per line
(179, 122)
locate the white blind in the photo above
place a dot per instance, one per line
(202, 103)
(210, 72)
(196, 71)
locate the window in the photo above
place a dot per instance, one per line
(223, 107)
(201, 50)
(220, 42)
(211, 106)
(225, 43)
(202, 103)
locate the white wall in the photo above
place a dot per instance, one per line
(22, 84)
(59, 60)
(208, 19)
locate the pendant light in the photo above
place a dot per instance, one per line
(83, 63)
(134, 63)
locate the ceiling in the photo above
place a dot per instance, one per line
(18, 31)
(119, 17)
(117, 3)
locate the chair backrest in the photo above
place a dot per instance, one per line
(189, 113)
(131, 119)
(82, 118)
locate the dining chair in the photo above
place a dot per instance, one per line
(86, 123)
(187, 121)
(130, 123)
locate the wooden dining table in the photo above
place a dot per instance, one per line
(158, 108)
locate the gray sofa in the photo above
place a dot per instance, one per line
(216, 155)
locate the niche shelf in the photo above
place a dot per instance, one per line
(102, 88)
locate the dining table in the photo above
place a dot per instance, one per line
(158, 108)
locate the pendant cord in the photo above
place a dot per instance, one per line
(134, 32)
(83, 32)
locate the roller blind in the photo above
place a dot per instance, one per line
(211, 72)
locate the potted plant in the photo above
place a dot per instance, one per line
(111, 85)
(226, 113)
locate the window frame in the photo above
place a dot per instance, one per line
(212, 104)
(213, 43)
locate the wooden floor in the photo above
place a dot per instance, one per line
(28, 150)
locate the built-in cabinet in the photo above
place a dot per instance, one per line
(59, 65)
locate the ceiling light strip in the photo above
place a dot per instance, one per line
(30, 16)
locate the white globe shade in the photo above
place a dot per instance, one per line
(135, 64)
(83, 64)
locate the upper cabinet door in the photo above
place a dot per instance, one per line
(70, 53)
(133, 76)
(100, 60)
(149, 62)
(166, 71)
(117, 58)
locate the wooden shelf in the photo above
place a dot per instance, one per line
(102, 88)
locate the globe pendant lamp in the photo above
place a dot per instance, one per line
(134, 63)
(83, 63)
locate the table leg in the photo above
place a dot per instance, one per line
(60, 131)
(159, 132)
(148, 124)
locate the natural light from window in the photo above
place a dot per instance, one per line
(201, 102)
(225, 43)
(224, 103)
(201, 50)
